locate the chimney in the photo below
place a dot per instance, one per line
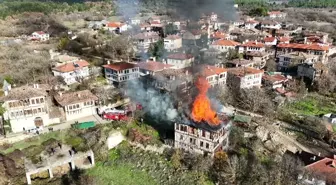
(314, 158)
(78, 95)
(60, 94)
(305, 40)
(186, 72)
(37, 86)
(154, 59)
(108, 62)
(6, 92)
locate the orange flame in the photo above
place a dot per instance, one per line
(202, 110)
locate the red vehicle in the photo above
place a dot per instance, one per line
(115, 116)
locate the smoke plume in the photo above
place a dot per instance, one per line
(159, 105)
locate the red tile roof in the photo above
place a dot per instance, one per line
(71, 66)
(243, 71)
(275, 13)
(153, 66)
(180, 56)
(305, 46)
(325, 168)
(115, 24)
(120, 66)
(284, 39)
(251, 21)
(40, 32)
(226, 43)
(208, 70)
(274, 78)
(253, 44)
(173, 37)
(219, 35)
(269, 39)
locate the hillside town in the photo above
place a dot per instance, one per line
(198, 94)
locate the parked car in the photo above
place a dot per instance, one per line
(35, 130)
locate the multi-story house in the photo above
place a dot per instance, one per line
(244, 77)
(276, 14)
(151, 67)
(39, 36)
(144, 40)
(174, 80)
(117, 27)
(224, 45)
(289, 60)
(77, 104)
(26, 107)
(73, 72)
(119, 72)
(270, 41)
(200, 138)
(180, 60)
(249, 46)
(270, 25)
(172, 42)
(311, 70)
(251, 24)
(319, 50)
(216, 76)
(260, 57)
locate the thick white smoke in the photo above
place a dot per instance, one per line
(159, 105)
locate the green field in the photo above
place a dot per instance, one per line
(312, 105)
(120, 174)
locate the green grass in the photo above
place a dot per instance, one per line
(120, 174)
(312, 105)
(38, 140)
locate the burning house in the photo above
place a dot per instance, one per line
(203, 131)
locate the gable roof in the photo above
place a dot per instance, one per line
(316, 47)
(243, 71)
(180, 56)
(208, 70)
(71, 66)
(269, 39)
(324, 167)
(115, 24)
(24, 92)
(75, 97)
(255, 44)
(153, 66)
(173, 37)
(226, 43)
(120, 66)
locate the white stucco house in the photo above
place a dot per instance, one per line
(120, 72)
(224, 45)
(27, 107)
(172, 42)
(77, 104)
(216, 76)
(39, 36)
(180, 60)
(73, 72)
(244, 77)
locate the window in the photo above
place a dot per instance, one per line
(207, 145)
(33, 101)
(37, 101)
(35, 111)
(41, 100)
(203, 133)
(77, 106)
(181, 137)
(39, 110)
(201, 144)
